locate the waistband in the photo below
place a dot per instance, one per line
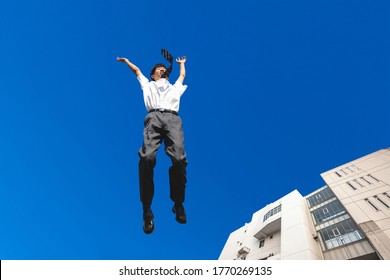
(164, 111)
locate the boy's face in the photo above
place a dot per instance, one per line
(158, 73)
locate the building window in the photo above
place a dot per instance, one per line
(356, 181)
(327, 212)
(320, 197)
(272, 212)
(344, 171)
(354, 167)
(368, 182)
(350, 169)
(261, 243)
(336, 231)
(371, 204)
(338, 174)
(349, 184)
(369, 175)
(381, 201)
(386, 194)
(339, 234)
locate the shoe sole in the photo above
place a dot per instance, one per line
(181, 221)
(148, 232)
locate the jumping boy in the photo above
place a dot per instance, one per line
(162, 123)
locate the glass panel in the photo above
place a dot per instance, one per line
(272, 212)
(341, 233)
(329, 211)
(320, 197)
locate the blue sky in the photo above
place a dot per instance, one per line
(279, 91)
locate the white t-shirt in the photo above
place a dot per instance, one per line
(161, 94)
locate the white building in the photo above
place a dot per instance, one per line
(348, 218)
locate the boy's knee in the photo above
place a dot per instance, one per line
(148, 158)
(179, 162)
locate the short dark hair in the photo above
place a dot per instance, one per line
(155, 67)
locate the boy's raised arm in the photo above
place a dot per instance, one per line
(181, 61)
(132, 67)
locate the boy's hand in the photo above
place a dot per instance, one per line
(182, 59)
(121, 59)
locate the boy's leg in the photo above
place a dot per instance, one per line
(147, 154)
(174, 147)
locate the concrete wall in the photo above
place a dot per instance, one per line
(370, 179)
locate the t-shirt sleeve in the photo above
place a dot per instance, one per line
(180, 87)
(143, 81)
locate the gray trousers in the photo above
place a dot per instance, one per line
(159, 127)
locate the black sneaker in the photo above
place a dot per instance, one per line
(181, 216)
(148, 225)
